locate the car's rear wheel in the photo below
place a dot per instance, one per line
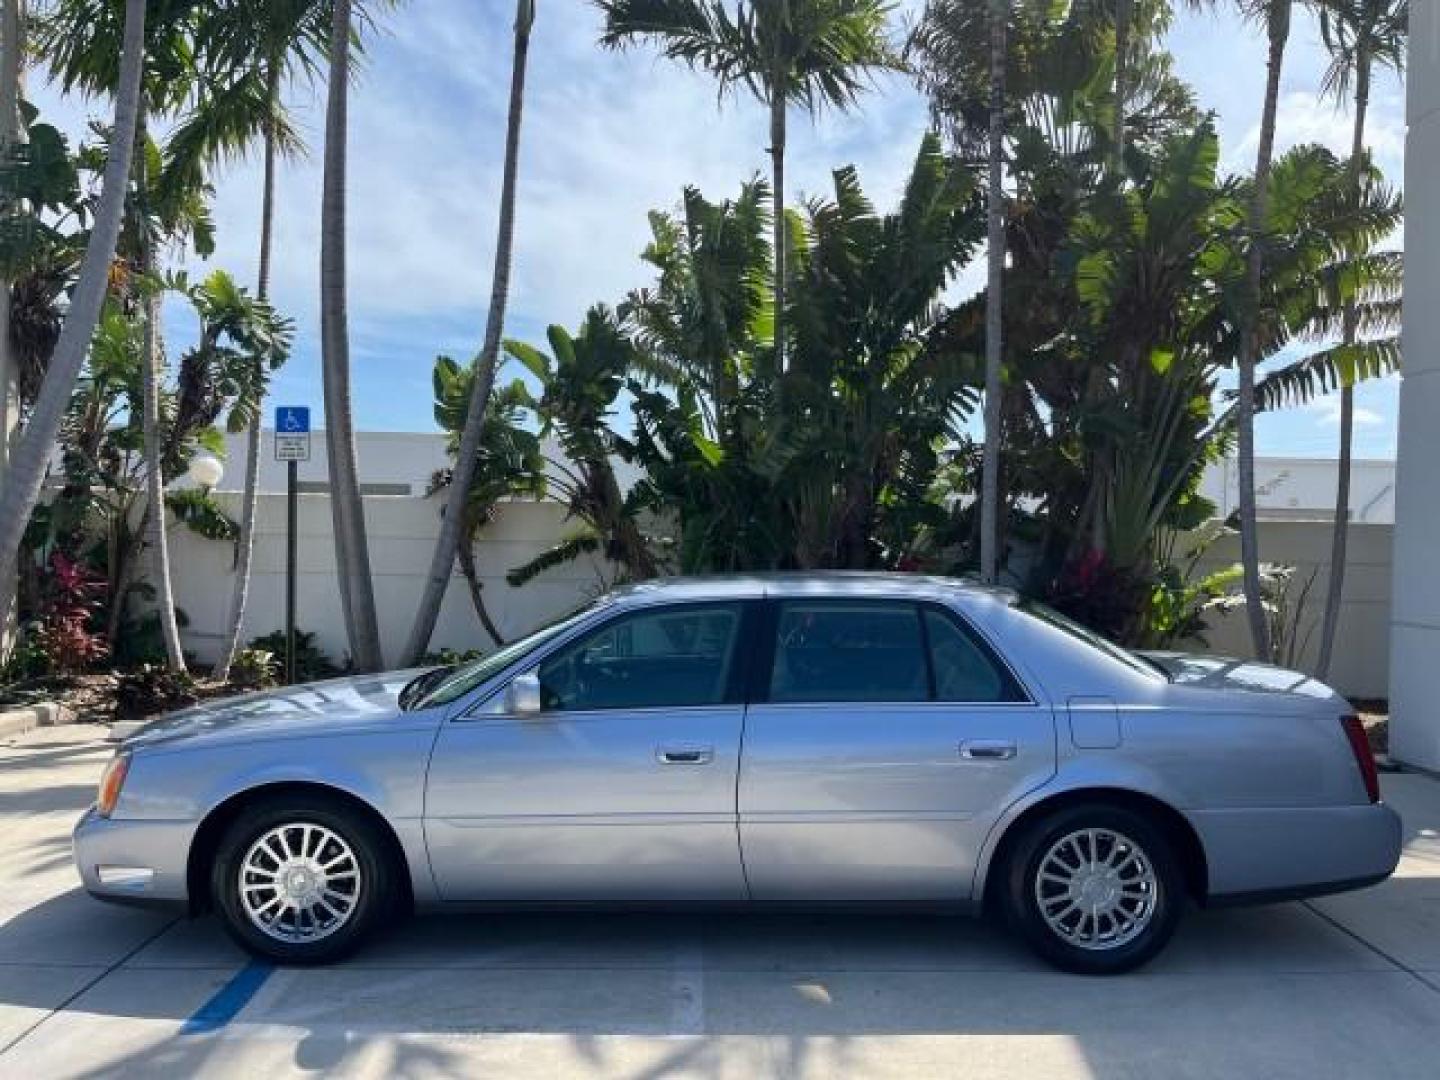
(1094, 889)
(302, 880)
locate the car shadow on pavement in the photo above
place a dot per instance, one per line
(731, 995)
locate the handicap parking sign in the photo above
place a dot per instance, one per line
(293, 419)
(292, 433)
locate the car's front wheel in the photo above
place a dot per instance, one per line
(302, 880)
(1094, 889)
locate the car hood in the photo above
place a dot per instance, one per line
(1205, 671)
(302, 709)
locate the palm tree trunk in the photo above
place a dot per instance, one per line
(1124, 18)
(151, 361)
(1340, 539)
(451, 523)
(1279, 33)
(994, 317)
(466, 556)
(347, 507)
(32, 455)
(777, 157)
(11, 46)
(245, 548)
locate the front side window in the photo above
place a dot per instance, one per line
(681, 656)
(837, 651)
(455, 684)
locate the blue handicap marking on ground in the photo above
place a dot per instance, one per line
(293, 419)
(227, 1002)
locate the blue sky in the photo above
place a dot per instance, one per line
(607, 138)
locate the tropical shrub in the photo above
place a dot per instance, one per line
(311, 661)
(449, 657)
(152, 689)
(254, 669)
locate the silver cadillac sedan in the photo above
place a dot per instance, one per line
(792, 740)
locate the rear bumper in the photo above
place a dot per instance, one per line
(133, 862)
(1258, 856)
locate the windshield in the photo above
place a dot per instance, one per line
(468, 676)
(1061, 622)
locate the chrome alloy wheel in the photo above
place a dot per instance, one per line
(299, 882)
(1096, 889)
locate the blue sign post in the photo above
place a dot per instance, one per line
(292, 446)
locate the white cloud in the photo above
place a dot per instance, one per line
(1327, 413)
(607, 137)
(1305, 117)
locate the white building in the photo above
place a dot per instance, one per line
(1415, 610)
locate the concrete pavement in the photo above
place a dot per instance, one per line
(1342, 987)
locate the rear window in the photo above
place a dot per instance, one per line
(1084, 634)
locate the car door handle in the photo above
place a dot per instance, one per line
(685, 755)
(987, 750)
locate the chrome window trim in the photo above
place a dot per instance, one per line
(593, 714)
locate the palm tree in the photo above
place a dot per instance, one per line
(451, 525)
(809, 53)
(509, 465)
(1276, 17)
(272, 41)
(166, 202)
(11, 50)
(1124, 25)
(994, 298)
(1359, 34)
(32, 455)
(347, 507)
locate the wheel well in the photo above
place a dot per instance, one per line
(212, 829)
(1176, 828)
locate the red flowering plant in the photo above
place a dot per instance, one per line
(1096, 593)
(69, 597)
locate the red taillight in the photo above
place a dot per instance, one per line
(1360, 746)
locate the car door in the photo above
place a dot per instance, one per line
(884, 740)
(621, 788)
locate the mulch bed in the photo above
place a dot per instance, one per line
(92, 697)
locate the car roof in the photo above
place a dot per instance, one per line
(804, 583)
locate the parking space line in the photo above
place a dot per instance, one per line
(1338, 925)
(227, 1002)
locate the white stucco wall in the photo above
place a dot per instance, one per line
(1415, 616)
(402, 533)
(1360, 666)
(401, 537)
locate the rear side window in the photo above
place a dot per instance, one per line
(834, 651)
(839, 651)
(675, 657)
(965, 669)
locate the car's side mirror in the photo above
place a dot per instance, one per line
(522, 698)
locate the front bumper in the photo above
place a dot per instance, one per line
(1273, 854)
(133, 861)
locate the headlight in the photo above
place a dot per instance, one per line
(111, 781)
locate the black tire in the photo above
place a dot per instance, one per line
(375, 893)
(1022, 905)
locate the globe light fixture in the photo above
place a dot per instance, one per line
(206, 470)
